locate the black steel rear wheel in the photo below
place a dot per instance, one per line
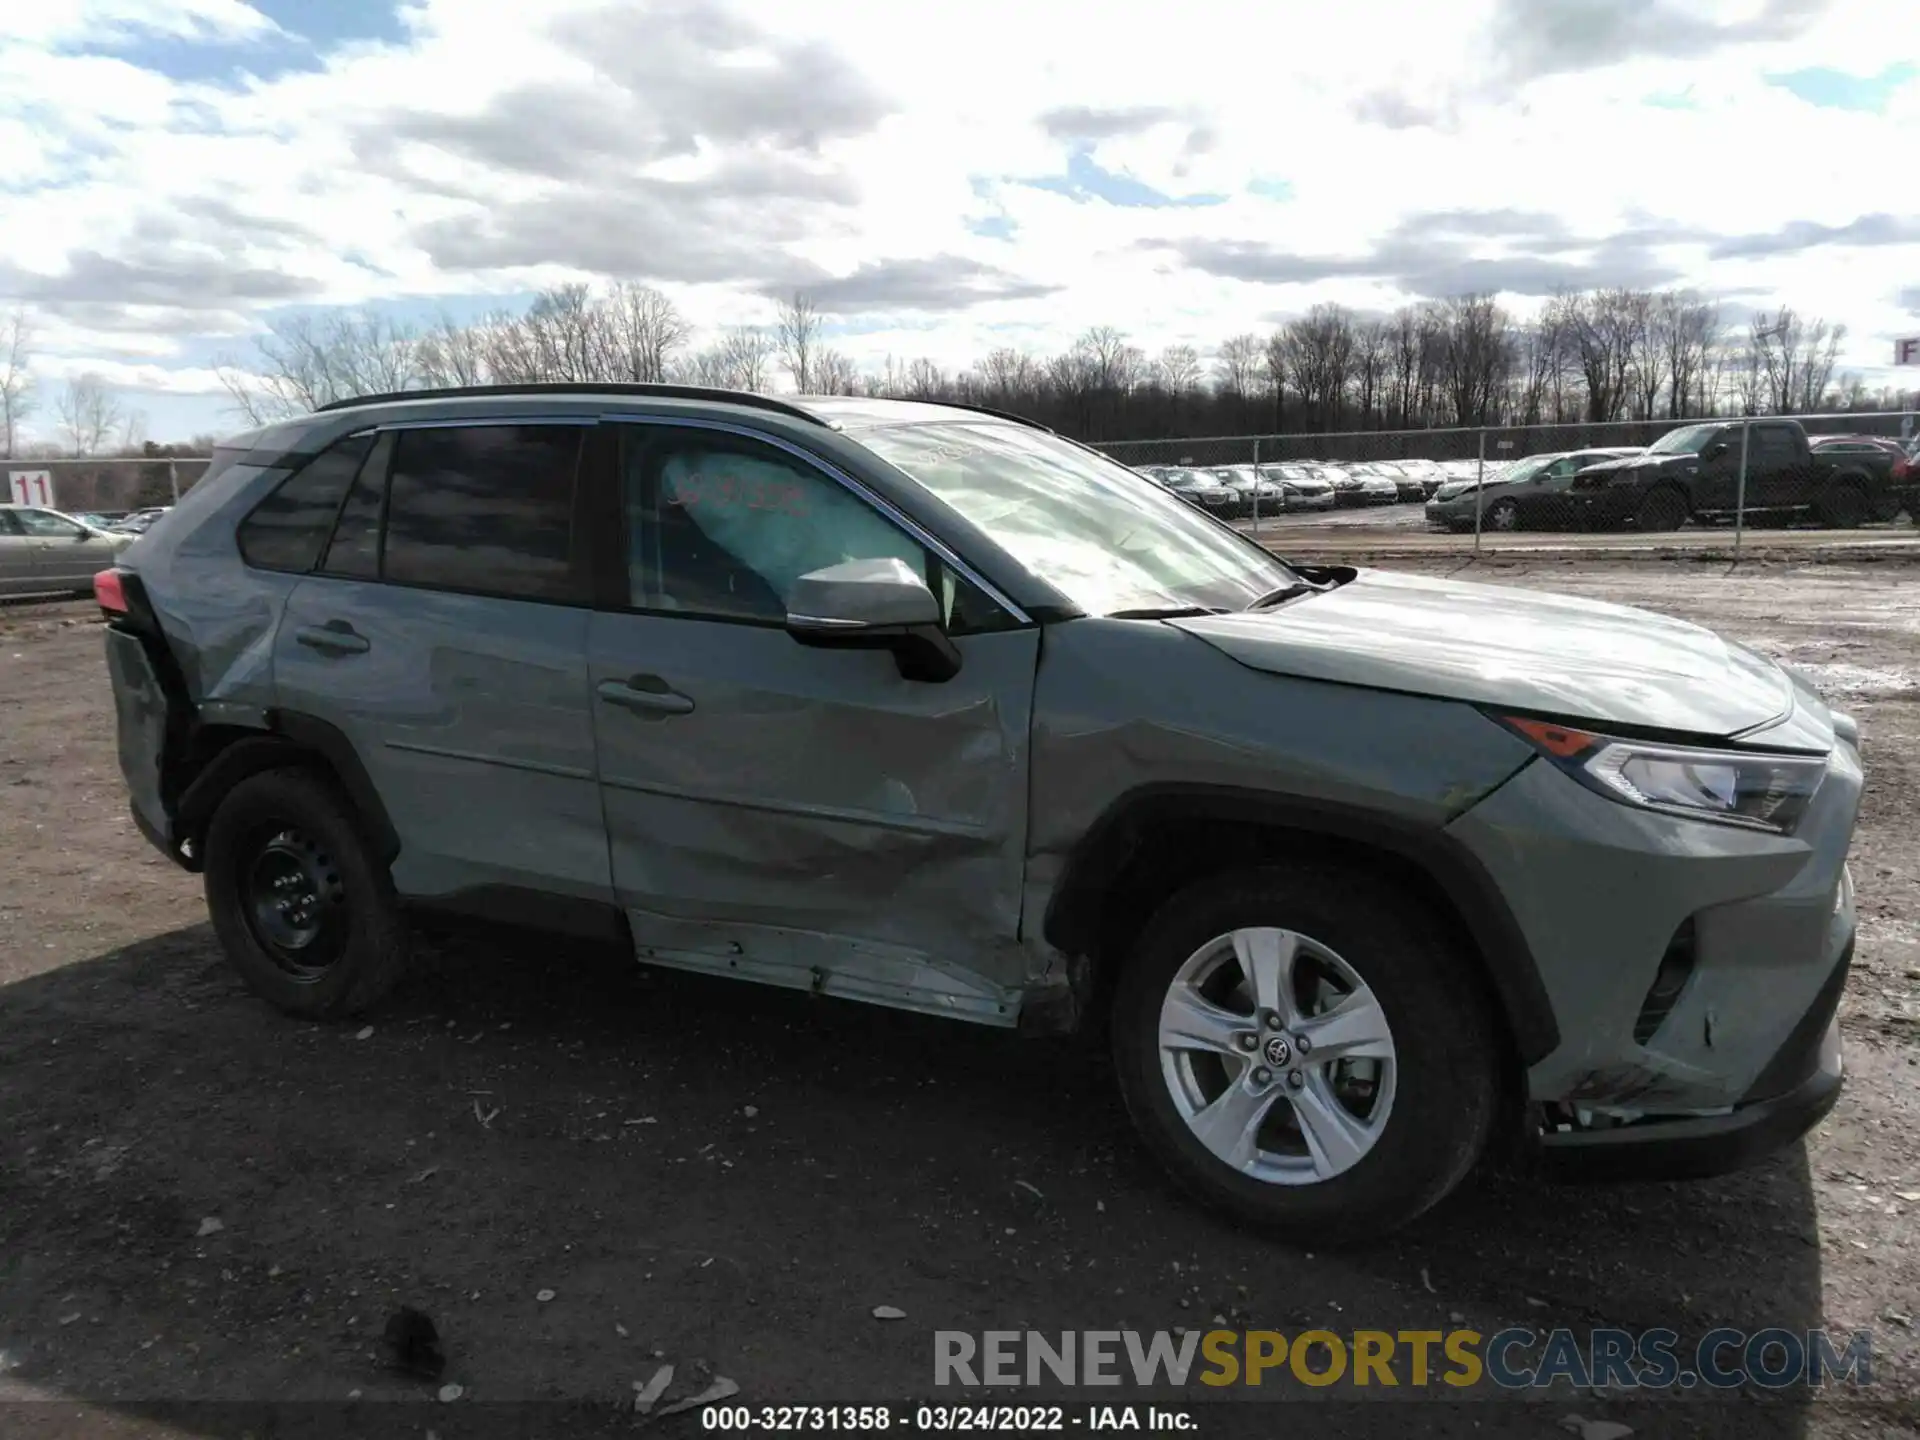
(304, 909)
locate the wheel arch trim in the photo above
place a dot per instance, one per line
(292, 738)
(1072, 916)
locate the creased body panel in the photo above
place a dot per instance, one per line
(1558, 655)
(1122, 705)
(471, 717)
(814, 810)
(1600, 888)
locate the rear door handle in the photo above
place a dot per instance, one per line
(644, 692)
(336, 636)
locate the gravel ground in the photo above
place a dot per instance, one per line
(583, 1170)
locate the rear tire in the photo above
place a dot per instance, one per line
(1359, 952)
(1664, 509)
(303, 911)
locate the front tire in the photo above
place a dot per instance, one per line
(1504, 516)
(1376, 1118)
(303, 911)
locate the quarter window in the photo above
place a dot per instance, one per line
(288, 530)
(354, 551)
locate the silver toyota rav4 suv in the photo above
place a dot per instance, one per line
(1359, 873)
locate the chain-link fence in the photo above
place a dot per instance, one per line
(107, 488)
(1699, 484)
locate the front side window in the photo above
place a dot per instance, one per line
(486, 509)
(1091, 528)
(723, 525)
(288, 529)
(8, 525)
(45, 525)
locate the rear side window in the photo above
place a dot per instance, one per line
(288, 529)
(487, 509)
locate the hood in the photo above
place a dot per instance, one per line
(1577, 660)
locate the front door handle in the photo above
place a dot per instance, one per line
(336, 636)
(644, 692)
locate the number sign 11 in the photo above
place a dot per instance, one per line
(31, 487)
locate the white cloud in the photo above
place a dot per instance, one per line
(501, 147)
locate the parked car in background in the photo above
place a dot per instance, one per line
(1359, 876)
(1693, 472)
(1406, 484)
(1256, 494)
(1360, 484)
(141, 521)
(1200, 489)
(1896, 497)
(1429, 473)
(44, 552)
(1530, 494)
(1300, 488)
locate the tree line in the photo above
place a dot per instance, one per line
(1604, 355)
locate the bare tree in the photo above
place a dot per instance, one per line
(834, 373)
(645, 330)
(925, 380)
(1315, 353)
(1178, 369)
(450, 356)
(1688, 328)
(16, 376)
(1006, 376)
(799, 340)
(1604, 329)
(1237, 367)
(132, 434)
(1372, 352)
(1479, 357)
(88, 413)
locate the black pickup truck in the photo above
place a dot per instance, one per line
(1694, 473)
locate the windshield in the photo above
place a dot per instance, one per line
(1095, 531)
(1687, 440)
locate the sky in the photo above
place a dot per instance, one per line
(943, 179)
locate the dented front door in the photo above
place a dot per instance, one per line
(807, 817)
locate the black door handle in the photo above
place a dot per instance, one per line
(336, 637)
(647, 693)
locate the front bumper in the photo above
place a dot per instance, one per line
(1695, 1147)
(1319, 500)
(1653, 1074)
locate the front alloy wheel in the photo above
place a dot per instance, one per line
(1277, 1056)
(1305, 1047)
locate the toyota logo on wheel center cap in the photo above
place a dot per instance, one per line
(1277, 1052)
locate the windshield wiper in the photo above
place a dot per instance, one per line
(1167, 612)
(1284, 594)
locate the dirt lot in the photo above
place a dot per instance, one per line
(203, 1204)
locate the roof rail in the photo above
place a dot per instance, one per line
(997, 414)
(665, 392)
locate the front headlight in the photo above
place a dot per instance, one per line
(1754, 790)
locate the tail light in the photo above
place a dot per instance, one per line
(111, 593)
(1903, 469)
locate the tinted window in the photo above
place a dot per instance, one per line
(354, 551)
(8, 525)
(1774, 442)
(486, 509)
(288, 529)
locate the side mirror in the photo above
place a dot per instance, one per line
(874, 605)
(1713, 450)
